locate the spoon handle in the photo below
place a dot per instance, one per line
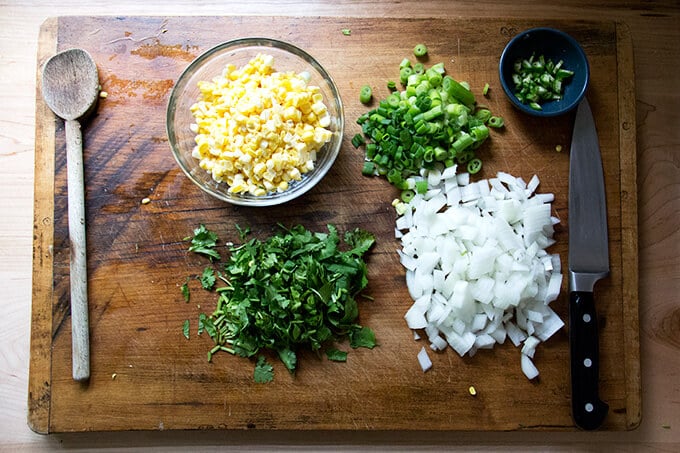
(80, 339)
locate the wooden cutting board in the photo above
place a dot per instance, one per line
(147, 376)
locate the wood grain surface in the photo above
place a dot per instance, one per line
(146, 376)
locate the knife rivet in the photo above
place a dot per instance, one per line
(588, 363)
(589, 407)
(586, 317)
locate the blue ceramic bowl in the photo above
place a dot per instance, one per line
(555, 45)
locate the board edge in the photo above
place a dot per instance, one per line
(629, 223)
(39, 376)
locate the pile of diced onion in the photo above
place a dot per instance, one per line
(476, 264)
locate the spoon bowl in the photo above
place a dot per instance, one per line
(70, 84)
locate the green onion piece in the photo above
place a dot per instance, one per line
(358, 140)
(479, 133)
(420, 50)
(465, 156)
(371, 149)
(434, 77)
(485, 90)
(369, 169)
(433, 113)
(346, 31)
(474, 165)
(563, 74)
(421, 187)
(404, 74)
(463, 142)
(365, 94)
(407, 195)
(393, 100)
(394, 176)
(440, 154)
(391, 85)
(483, 115)
(495, 121)
(405, 63)
(535, 105)
(458, 91)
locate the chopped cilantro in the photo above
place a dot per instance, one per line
(207, 278)
(204, 242)
(336, 355)
(296, 288)
(264, 372)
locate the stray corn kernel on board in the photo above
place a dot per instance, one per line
(140, 206)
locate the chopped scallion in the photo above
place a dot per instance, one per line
(407, 195)
(369, 169)
(474, 166)
(539, 80)
(420, 50)
(433, 122)
(365, 94)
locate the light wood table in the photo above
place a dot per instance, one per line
(655, 30)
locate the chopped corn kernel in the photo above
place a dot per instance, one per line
(258, 130)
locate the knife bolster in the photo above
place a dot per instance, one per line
(585, 281)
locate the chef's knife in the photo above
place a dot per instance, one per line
(588, 263)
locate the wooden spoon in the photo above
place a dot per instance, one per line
(70, 87)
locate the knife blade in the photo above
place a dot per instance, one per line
(588, 263)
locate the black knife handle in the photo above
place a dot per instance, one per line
(588, 410)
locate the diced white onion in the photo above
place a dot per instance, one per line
(529, 347)
(424, 360)
(476, 265)
(528, 367)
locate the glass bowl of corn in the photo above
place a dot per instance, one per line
(255, 121)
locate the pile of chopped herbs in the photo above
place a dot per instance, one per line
(295, 289)
(434, 121)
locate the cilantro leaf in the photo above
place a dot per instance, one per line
(185, 329)
(185, 291)
(362, 337)
(206, 324)
(288, 358)
(204, 242)
(264, 372)
(208, 278)
(360, 241)
(242, 233)
(336, 355)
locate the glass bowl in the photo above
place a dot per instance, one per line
(239, 52)
(555, 45)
